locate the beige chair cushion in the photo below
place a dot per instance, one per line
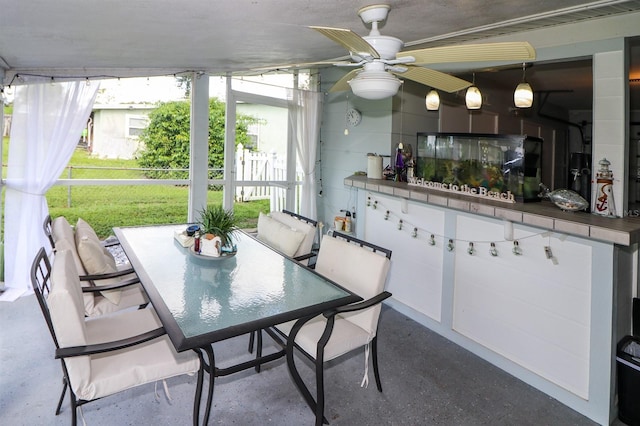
(96, 261)
(66, 307)
(61, 229)
(115, 371)
(358, 270)
(65, 239)
(70, 247)
(279, 236)
(99, 375)
(95, 303)
(83, 229)
(345, 336)
(308, 230)
(130, 296)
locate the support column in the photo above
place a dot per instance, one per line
(229, 147)
(610, 141)
(199, 145)
(290, 198)
(611, 119)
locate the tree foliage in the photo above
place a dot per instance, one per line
(165, 141)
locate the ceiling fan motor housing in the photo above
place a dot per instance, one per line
(387, 46)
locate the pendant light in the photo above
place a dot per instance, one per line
(473, 98)
(433, 100)
(523, 95)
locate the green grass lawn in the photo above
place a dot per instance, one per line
(105, 207)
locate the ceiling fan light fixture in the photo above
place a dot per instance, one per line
(473, 98)
(374, 85)
(433, 100)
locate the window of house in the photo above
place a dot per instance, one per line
(135, 124)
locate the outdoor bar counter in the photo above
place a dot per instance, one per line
(542, 293)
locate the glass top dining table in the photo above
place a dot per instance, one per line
(204, 300)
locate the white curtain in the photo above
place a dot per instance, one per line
(305, 114)
(46, 125)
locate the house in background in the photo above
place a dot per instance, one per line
(122, 109)
(113, 130)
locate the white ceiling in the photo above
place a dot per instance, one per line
(151, 37)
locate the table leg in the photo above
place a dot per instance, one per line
(258, 349)
(212, 375)
(198, 396)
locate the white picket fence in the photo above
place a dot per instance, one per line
(264, 167)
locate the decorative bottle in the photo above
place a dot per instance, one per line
(399, 164)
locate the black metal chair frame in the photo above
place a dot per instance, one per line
(41, 279)
(317, 405)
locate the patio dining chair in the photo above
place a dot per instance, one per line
(290, 233)
(294, 235)
(47, 226)
(109, 354)
(107, 287)
(361, 268)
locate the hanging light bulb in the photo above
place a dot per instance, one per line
(523, 95)
(471, 250)
(473, 98)
(450, 245)
(516, 248)
(433, 100)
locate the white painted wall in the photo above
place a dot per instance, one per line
(548, 324)
(341, 155)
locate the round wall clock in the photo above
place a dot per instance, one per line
(353, 116)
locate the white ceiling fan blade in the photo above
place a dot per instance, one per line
(507, 51)
(435, 79)
(349, 40)
(343, 84)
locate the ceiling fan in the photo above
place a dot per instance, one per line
(379, 60)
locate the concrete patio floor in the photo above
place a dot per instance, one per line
(426, 379)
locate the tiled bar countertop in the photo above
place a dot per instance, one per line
(543, 214)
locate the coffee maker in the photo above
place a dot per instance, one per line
(579, 178)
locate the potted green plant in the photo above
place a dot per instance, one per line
(214, 219)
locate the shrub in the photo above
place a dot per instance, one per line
(165, 140)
